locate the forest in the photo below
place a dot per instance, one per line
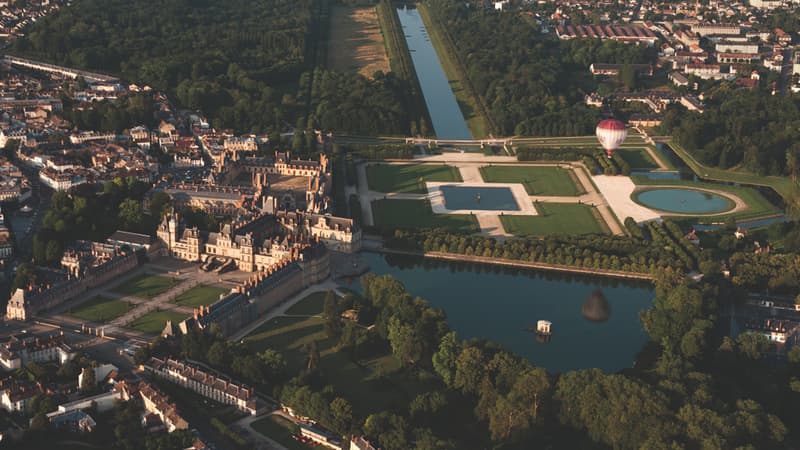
(532, 83)
(247, 65)
(747, 129)
(473, 394)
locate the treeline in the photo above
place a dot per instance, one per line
(591, 251)
(766, 272)
(595, 160)
(745, 129)
(400, 59)
(380, 151)
(532, 83)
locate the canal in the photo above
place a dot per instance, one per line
(446, 117)
(500, 304)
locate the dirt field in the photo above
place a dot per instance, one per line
(355, 41)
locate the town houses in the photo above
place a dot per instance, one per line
(206, 383)
(23, 349)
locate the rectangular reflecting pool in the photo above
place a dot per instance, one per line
(478, 198)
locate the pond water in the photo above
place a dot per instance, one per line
(478, 198)
(683, 201)
(446, 117)
(500, 305)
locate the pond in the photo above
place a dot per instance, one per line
(446, 117)
(478, 198)
(683, 201)
(595, 320)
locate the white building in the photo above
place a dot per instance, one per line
(23, 349)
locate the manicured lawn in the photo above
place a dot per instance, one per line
(154, 322)
(554, 218)
(199, 296)
(405, 178)
(100, 309)
(146, 286)
(391, 214)
(757, 204)
(277, 428)
(638, 158)
(312, 305)
(372, 385)
(537, 180)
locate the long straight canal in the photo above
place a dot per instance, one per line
(595, 320)
(448, 121)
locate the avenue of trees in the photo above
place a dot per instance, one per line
(596, 252)
(531, 83)
(745, 129)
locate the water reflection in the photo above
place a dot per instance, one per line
(596, 308)
(504, 305)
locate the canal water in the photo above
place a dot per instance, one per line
(500, 304)
(448, 121)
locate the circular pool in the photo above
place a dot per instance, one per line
(683, 201)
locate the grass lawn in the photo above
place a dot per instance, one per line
(537, 180)
(391, 214)
(100, 309)
(278, 429)
(154, 322)
(372, 385)
(312, 305)
(404, 178)
(146, 286)
(201, 295)
(757, 204)
(554, 218)
(638, 158)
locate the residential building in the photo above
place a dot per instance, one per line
(157, 403)
(205, 383)
(22, 349)
(77, 421)
(17, 395)
(775, 330)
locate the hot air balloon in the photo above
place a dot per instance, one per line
(611, 133)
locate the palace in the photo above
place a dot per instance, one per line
(255, 241)
(88, 264)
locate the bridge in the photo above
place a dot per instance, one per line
(64, 71)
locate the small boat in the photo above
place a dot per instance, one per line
(543, 328)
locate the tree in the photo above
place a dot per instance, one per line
(130, 213)
(218, 354)
(444, 360)
(405, 343)
(274, 363)
(333, 319)
(389, 429)
(312, 356)
(341, 416)
(470, 369)
(88, 381)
